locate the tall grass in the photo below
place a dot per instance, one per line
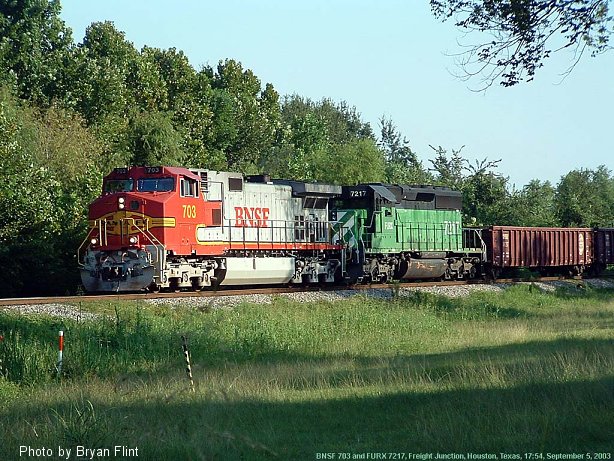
(512, 371)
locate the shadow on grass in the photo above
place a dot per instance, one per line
(563, 417)
(452, 407)
(515, 363)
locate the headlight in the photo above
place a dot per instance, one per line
(133, 240)
(121, 206)
(121, 200)
(94, 241)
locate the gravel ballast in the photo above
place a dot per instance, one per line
(375, 293)
(64, 311)
(70, 312)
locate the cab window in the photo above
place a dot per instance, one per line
(189, 187)
(156, 185)
(112, 186)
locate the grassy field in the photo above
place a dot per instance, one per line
(518, 371)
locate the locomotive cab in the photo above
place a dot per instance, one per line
(129, 221)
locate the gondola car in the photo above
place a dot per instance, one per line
(603, 243)
(549, 250)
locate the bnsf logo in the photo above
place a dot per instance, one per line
(251, 216)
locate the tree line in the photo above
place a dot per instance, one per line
(70, 112)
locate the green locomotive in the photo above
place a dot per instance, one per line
(405, 232)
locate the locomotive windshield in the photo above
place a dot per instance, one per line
(349, 204)
(156, 185)
(112, 186)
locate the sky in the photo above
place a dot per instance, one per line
(389, 58)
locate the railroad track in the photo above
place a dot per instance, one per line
(259, 290)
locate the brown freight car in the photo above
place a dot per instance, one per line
(547, 249)
(604, 247)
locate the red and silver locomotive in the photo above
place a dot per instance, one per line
(164, 227)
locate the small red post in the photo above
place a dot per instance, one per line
(61, 338)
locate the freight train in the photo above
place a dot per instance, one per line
(173, 228)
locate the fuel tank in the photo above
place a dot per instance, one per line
(421, 269)
(257, 271)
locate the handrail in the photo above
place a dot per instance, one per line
(149, 235)
(281, 231)
(409, 233)
(100, 224)
(87, 237)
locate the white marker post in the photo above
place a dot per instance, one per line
(188, 368)
(60, 353)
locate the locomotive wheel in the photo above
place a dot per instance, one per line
(173, 284)
(196, 283)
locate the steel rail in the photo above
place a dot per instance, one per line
(262, 290)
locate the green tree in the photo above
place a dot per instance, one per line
(202, 114)
(586, 198)
(103, 65)
(153, 140)
(485, 198)
(341, 121)
(358, 161)
(68, 156)
(108, 84)
(309, 132)
(34, 46)
(310, 141)
(402, 164)
(448, 171)
(535, 205)
(178, 76)
(519, 35)
(48, 159)
(249, 111)
(146, 84)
